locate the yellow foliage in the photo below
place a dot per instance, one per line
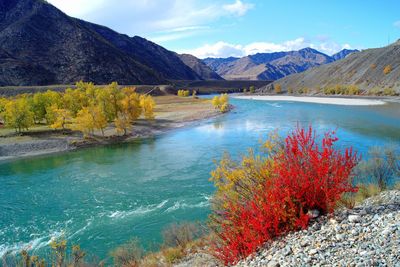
(131, 106)
(278, 88)
(387, 69)
(123, 123)
(18, 114)
(61, 117)
(221, 102)
(183, 93)
(147, 103)
(88, 119)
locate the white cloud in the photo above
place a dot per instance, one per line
(238, 8)
(219, 49)
(224, 49)
(397, 24)
(153, 17)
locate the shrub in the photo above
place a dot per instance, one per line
(183, 93)
(252, 89)
(389, 92)
(180, 234)
(174, 254)
(277, 191)
(381, 168)
(128, 254)
(387, 69)
(278, 88)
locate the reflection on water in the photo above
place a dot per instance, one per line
(101, 197)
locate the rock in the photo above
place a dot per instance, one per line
(273, 264)
(354, 218)
(313, 213)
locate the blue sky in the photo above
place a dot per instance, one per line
(222, 28)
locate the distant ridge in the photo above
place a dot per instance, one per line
(271, 66)
(371, 69)
(199, 67)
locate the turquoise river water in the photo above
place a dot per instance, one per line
(102, 197)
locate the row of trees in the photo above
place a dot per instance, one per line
(86, 108)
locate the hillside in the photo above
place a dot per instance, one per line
(365, 69)
(199, 67)
(270, 66)
(40, 45)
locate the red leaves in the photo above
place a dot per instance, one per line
(306, 177)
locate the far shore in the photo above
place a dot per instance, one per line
(330, 100)
(171, 113)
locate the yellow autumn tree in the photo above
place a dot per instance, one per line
(18, 114)
(221, 102)
(74, 100)
(147, 103)
(89, 119)
(58, 118)
(123, 123)
(131, 106)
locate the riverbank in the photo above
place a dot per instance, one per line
(346, 101)
(171, 113)
(368, 235)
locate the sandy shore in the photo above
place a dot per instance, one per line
(320, 100)
(171, 113)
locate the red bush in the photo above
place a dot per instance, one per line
(306, 176)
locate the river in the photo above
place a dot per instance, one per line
(102, 197)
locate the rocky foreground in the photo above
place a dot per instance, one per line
(368, 235)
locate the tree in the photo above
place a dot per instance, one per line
(115, 97)
(215, 101)
(221, 102)
(123, 123)
(18, 114)
(88, 119)
(147, 103)
(59, 118)
(39, 105)
(74, 100)
(130, 105)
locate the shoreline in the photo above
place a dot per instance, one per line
(172, 115)
(90, 143)
(328, 100)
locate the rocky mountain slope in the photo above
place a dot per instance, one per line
(199, 67)
(40, 45)
(344, 53)
(271, 66)
(368, 235)
(372, 69)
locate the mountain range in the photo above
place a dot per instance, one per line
(40, 45)
(373, 69)
(271, 66)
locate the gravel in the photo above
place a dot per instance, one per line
(368, 235)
